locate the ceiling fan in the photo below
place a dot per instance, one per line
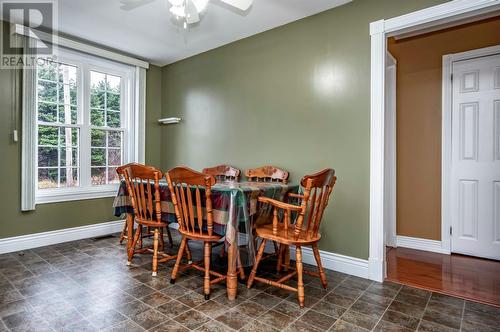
(187, 11)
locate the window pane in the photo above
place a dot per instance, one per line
(47, 112)
(68, 177)
(97, 117)
(70, 111)
(98, 157)
(69, 157)
(113, 83)
(47, 157)
(113, 101)
(112, 175)
(47, 178)
(48, 135)
(114, 139)
(67, 94)
(97, 99)
(47, 91)
(97, 81)
(98, 176)
(98, 138)
(47, 71)
(114, 157)
(113, 119)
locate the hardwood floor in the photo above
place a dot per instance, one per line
(463, 276)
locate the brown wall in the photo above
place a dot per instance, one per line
(419, 71)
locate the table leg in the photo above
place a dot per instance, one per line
(130, 230)
(232, 278)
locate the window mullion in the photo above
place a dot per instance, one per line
(85, 132)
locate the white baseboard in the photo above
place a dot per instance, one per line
(422, 244)
(340, 263)
(36, 240)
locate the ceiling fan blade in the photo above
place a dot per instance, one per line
(192, 15)
(240, 4)
(133, 4)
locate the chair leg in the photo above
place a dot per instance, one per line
(161, 245)
(287, 257)
(170, 237)
(241, 271)
(155, 252)
(140, 236)
(124, 231)
(276, 248)
(280, 257)
(321, 271)
(300, 283)
(206, 281)
(257, 261)
(131, 250)
(180, 253)
(188, 254)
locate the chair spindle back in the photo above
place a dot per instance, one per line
(317, 190)
(223, 172)
(267, 174)
(145, 197)
(184, 183)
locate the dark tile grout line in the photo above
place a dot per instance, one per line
(463, 314)
(388, 306)
(423, 313)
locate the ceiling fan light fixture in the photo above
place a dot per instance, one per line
(178, 11)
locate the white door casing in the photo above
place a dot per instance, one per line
(475, 157)
(390, 152)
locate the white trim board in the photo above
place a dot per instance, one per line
(418, 21)
(36, 240)
(422, 244)
(336, 262)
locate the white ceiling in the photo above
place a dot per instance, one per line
(150, 33)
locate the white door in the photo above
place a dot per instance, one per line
(475, 166)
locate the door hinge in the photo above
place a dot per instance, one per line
(451, 230)
(451, 78)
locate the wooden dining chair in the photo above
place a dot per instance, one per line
(223, 172)
(267, 173)
(143, 186)
(191, 194)
(123, 235)
(305, 231)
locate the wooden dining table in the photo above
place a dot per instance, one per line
(234, 205)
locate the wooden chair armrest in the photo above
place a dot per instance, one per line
(296, 195)
(279, 204)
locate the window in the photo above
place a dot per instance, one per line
(86, 125)
(57, 126)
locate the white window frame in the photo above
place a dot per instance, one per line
(133, 99)
(85, 64)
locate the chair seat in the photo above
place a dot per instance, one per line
(285, 236)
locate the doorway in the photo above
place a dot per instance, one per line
(440, 239)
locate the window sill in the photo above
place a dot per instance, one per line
(75, 194)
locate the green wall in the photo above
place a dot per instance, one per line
(48, 217)
(296, 97)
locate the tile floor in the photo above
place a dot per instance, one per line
(86, 286)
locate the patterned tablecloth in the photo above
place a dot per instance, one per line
(233, 205)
